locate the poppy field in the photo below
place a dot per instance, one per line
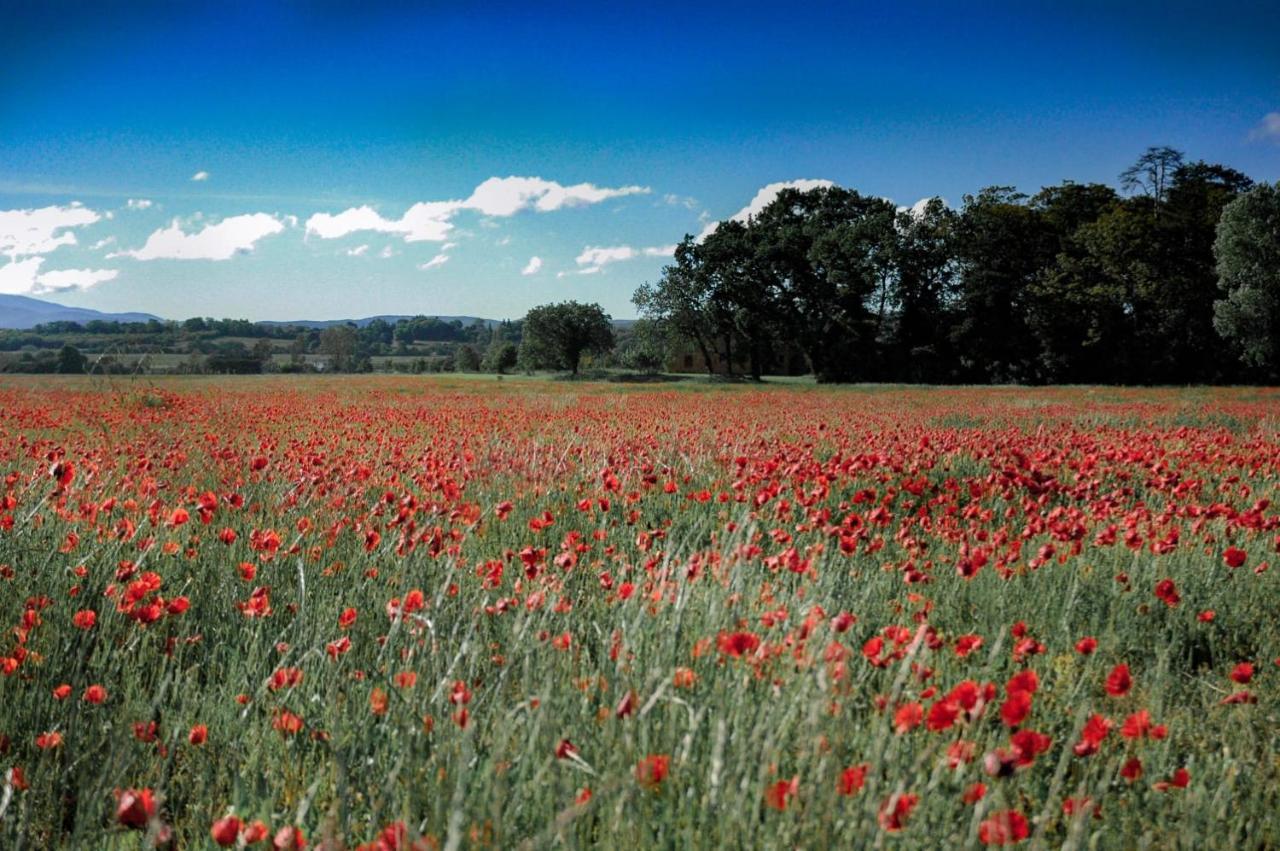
(398, 613)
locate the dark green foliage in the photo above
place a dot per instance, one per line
(1074, 284)
(556, 336)
(1248, 254)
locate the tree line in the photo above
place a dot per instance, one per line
(1169, 278)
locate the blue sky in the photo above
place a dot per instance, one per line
(318, 126)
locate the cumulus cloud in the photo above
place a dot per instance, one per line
(24, 233)
(1268, 129)
(358, 251)
(102, 243)
(762, 199)
(434, 262)
(387, 251)
(221, 241)
(601, 256)
(593, 259)
(23, 277)
(423, 222)
(137, 203)
(532, 267)
(496, 197)
(917, 209)
(18, 277)
(200, 176)
(506, 196)
(60, 280)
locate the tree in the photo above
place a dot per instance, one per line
(679, 301)
(557, 335)
(921, 290)
(501, 356)
(1247, 248)
(338, 342)
(1002, 243)
(70, 361)
(1152, 173)
(466, 358)
(645, 346)
(823, 253)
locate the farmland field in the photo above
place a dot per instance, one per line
(458, 613)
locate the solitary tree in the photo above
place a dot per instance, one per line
(1248, 253)
(339, 343)
(557, 335)
(70, 361)
(466, 358)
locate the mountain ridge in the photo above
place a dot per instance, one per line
(21, 313)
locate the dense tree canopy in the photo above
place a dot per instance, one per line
(1248, 255)
(556, 336)
(1077, 283)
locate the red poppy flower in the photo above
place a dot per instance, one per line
(737, 643)
(852, 779)
(652, 770)
(777, 794)
(1167, 592)
(895, 811)
(135, 807)
(1006, 827)
(226, 831)
(1119, 681)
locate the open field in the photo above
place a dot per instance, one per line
(456, 613)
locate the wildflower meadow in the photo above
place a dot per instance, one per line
(411, 613)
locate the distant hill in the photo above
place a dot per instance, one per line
(390, 319)
(21, 312)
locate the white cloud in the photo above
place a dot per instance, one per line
(200, 176)
(23, 277)
(1268, 129)
(432, 221)
(532, 267)
(19, 276)
(594, 259)
(27, 232)
(221, 241)
(506, 196)
(358, 251)
(763, 198)
(102, 243)
(137, 203)
(917, 209)
(387, 251)
(73, 279)
(438, 260)
(423, 222)
(604, 256)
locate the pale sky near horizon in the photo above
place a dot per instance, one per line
(339, 159)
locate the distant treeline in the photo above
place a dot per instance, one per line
(420, 343)
(378, 331)
(1077, 283)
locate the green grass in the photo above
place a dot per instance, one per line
(741, 726)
